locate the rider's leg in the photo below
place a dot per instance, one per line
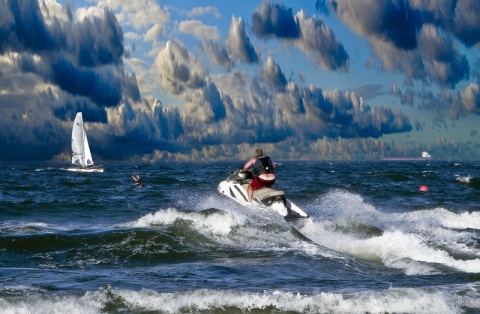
(250, 193)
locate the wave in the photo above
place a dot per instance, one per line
(215, 221)
(420, 242)
(166, 234)
(342, 225)
(232, 228)
(394, 300)
(15, 228)
(394, 176)
(468, 180)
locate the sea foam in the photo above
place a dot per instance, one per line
(416, 241)
(394, 300)
(218, 223)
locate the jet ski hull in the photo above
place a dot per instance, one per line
(236, 188)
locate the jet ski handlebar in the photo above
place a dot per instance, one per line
(239, 174)
(240, 171)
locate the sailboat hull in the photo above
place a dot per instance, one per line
(86, 169)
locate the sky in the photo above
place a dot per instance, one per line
(214, 80)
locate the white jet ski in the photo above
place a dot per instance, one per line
(235, 187)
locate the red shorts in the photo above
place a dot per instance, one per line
(258, 183)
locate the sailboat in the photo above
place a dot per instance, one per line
(82, 160)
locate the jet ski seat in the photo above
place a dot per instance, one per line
(268, 195)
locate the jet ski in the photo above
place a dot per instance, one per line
(235, 187)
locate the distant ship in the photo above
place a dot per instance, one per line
(425, 156)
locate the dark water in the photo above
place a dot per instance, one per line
(91, 243)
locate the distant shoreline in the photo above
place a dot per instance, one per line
(398, 158)
(425, 156)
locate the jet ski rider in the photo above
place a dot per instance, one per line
(262, 168)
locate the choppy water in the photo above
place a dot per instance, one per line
(91, 243)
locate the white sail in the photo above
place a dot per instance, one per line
(81, 154)
(87, 155)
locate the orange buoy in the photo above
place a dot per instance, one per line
(423, 188)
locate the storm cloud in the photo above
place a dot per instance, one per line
(392, 21)
(309, 34)
(272, 74)
(83, 58)
(55, 61)
(416, 37)
(314, 113)
(463, 24)
(218, 55)
(274, 20)
(53, 67)
(239, 44)
(180, 73)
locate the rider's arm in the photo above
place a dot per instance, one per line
(249, 164)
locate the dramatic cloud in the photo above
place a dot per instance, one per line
(212, 95)
(311, 35)
(274, 20)
(205, 104)
(181, 74)
(442, 60)
(391, 21)
(405, 35)
(470, 97)
(272, 73)
(318, 40)
(218, 54)
(178, 70)
(83, 59)
(238, 42)
(464, 23)
(60, 66)
(314, 113)
(142, 15)
(446, 103)
(467, 22)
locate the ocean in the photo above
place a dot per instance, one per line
(374, 243)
